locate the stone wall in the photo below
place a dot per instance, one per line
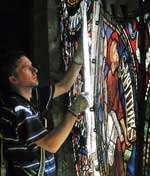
(64, 156)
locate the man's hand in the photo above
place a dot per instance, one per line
(78, 57)
(78, 105)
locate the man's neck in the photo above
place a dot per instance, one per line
(26, 93)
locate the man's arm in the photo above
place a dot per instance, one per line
(65, 84)
(52, 141)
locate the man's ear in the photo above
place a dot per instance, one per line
(12, 79)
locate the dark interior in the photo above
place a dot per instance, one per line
(15, 28)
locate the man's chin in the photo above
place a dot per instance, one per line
(35, 84)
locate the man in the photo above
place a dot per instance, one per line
(116, 126)
(28, 146)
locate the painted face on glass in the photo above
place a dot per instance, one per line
(25, 74)
(114, 57)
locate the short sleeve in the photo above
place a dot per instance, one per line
(29, 126)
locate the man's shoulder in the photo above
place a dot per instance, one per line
(12, 101)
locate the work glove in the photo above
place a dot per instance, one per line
(78, 56)
(79, 104)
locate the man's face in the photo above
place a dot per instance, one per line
(25, 75)
(114, 57)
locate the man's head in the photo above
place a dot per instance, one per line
(16, 71)
(112, 51)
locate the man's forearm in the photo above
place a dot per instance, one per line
(65, 84)
(53, 141)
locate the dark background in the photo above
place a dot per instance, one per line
(15, 25)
